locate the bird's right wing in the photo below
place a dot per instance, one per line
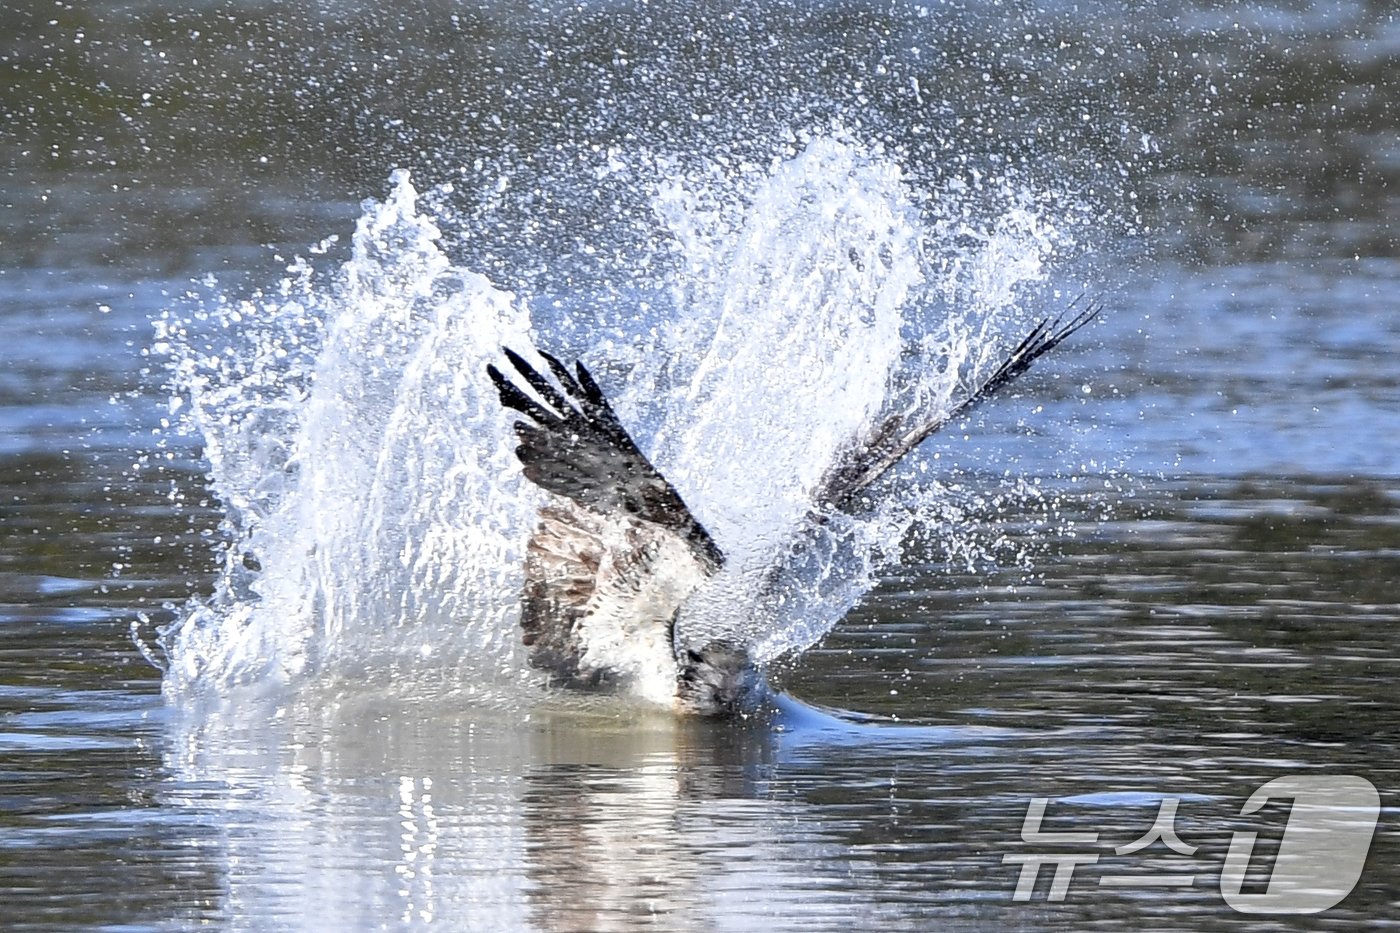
(892, 439)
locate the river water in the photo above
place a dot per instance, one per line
(1162, 574)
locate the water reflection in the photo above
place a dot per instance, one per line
(558, 820)
(1206, 637)
(339, 810)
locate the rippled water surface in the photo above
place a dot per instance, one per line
(1171, 573)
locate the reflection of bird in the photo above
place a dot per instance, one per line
(617, 553)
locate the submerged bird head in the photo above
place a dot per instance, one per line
(719, 679)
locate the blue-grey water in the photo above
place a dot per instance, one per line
(1175, 562)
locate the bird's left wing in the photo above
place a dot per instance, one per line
(612, 559)
(572, 444)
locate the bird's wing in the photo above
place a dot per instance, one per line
(892, 439)
(615, 555)
(572, 444)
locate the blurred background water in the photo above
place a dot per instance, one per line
(1212, 608)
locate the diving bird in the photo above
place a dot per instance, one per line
(617, 553)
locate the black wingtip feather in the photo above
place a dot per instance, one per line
(516, 400)
(551, 396)
(581, 450)
(868, 462)
(590, 386)
(561, 372)
(1048, 334)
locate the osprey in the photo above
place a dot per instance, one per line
(617, 552)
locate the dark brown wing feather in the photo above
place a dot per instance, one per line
(561, 574)
(611, 561)
(890, 440)
(574, 446)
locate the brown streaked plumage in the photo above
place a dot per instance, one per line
(617, 552)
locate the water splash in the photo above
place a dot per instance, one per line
(375, 516)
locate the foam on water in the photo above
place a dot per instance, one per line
(376, 518)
